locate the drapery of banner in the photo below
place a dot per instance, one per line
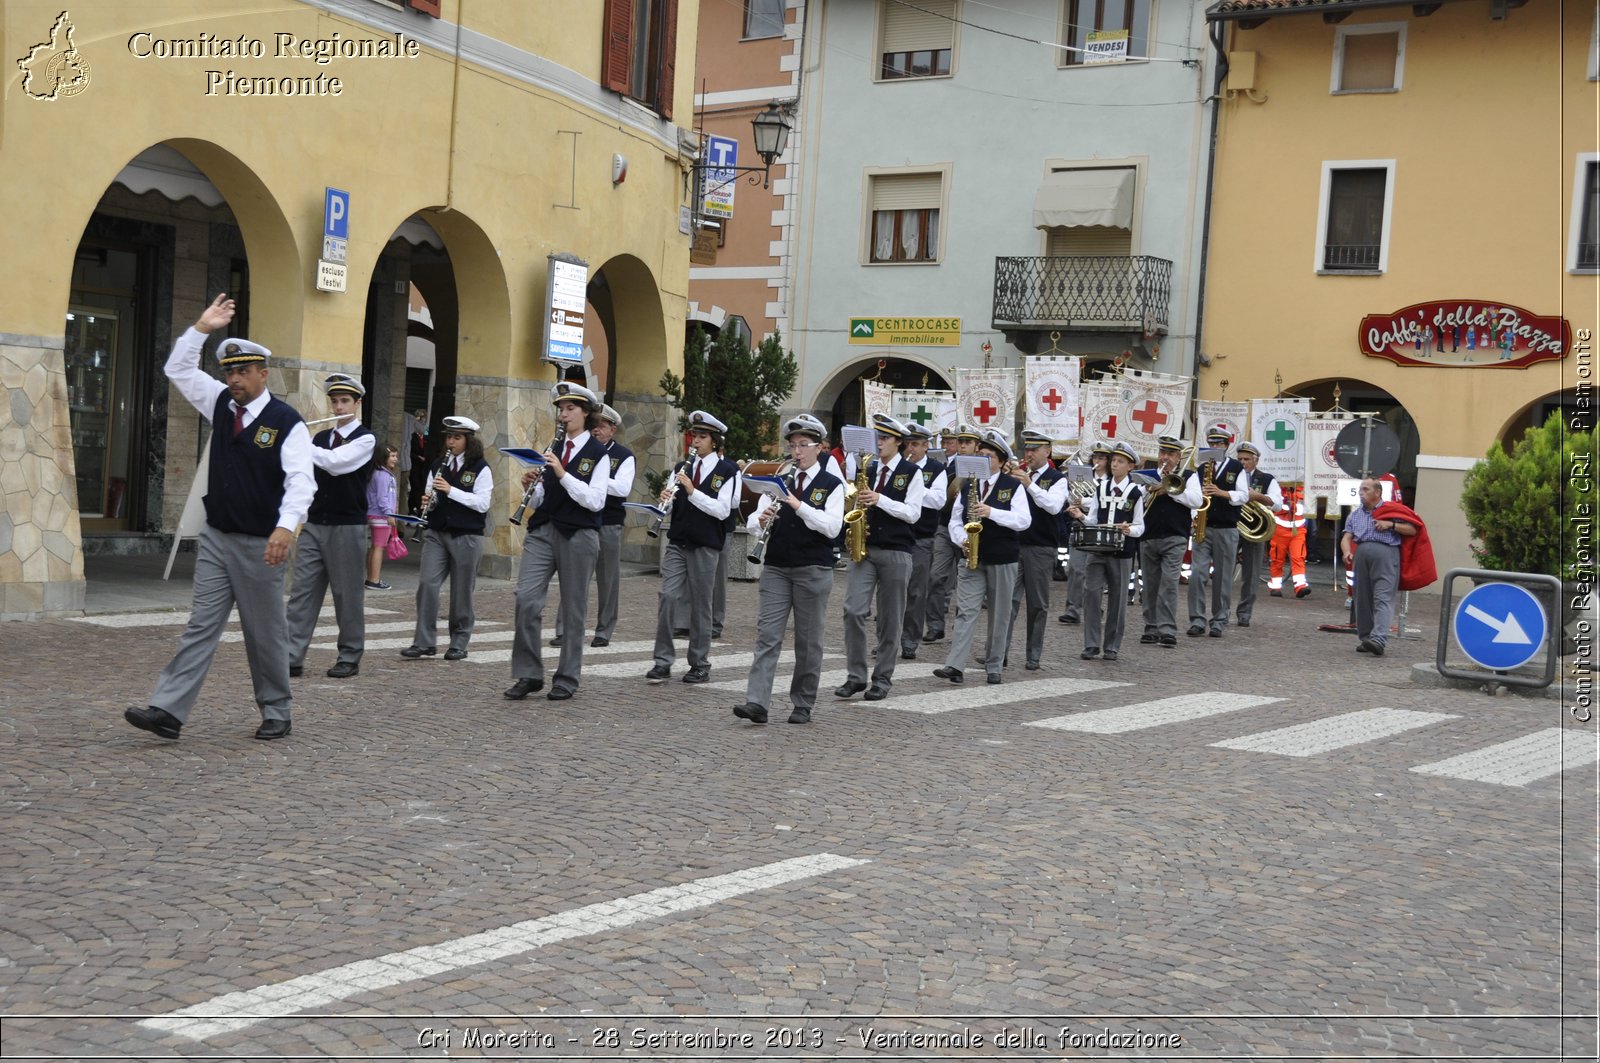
(1322, 472)
(988, 397)
(1102, 411)
(1232, 416)
(921, 406)
(1153, 405)
(949, 415)
(1052, 395)
(1278, 427)
(876, 398)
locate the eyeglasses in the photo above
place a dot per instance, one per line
(804, 444)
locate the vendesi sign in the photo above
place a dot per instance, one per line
(1465, 334)
(1105, 46)
(905, 331)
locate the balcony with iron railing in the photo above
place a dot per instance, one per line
(1086, 293)
(1362, 258)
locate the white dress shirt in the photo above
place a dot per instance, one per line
(620, 483)
(908, 510)
(933, 494)
(480, 494)
(825, 521)
(590, 494)
(1091, 506)
(1052, 499)
(349, 456)
(1014, 515)
(202, 390)
(719, 505)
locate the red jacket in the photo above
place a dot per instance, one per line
(1417, 568)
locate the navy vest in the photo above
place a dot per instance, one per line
(1121, 512)
(1044, 531)
(999, 545)
(557, 506)
(340, 499)
(927, 525)
(691, 526)
(1165, 516)
(614, 513)
(793, 544)
(245, 487)
(1222, 513)
(451, 516)
(883, 531)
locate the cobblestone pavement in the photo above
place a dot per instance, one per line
(1095, 859)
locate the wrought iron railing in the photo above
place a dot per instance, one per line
(1350, 256)
(1088, 291)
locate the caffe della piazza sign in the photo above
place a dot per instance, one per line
(1465, 334)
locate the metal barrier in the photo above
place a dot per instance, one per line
(1508, 631)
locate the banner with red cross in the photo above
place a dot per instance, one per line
(1052, 391)
(1322, 472)
(1278, 427)
(1232, 416)
(1153, 405)
(988, 397)
(921, 406)
(1103, 416)
(875, 398)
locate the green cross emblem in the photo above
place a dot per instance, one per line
(922, 416)
(1280, 435)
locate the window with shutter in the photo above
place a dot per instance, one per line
(915, 40)
(1088, 240)
(904, 217)
(639, 51)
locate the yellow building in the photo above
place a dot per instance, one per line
(1393, 181)
(153, 155)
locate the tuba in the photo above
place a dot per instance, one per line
(973, 527)
(855, 520)
(1256, 523)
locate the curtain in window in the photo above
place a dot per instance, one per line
(883, 235)
(933, 234)
(910, 234)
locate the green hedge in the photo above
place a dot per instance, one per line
(1523, 507)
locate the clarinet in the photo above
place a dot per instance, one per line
(757, 554)
(432, 497)
(654, 530)
(527, 496)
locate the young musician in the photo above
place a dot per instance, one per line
(1045, 490)
(927, 533)
(707, 490)
(1117, 502)
(332, 547)
(1167, 520)
(1260, 486)
(459, 494)
(893, 504)
(563, 540)
(1003, 512)
(1220, 546)
(962, 439)
(797, 575)
(1078, 560)
(608, 569)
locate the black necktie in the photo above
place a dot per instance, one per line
(799, 485)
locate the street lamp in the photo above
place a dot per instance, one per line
(771, 129)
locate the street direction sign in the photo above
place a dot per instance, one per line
(1500, 625)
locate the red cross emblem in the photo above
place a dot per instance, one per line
(1149, 417)
(1052, 399)
(984, 411)
(1109, 427)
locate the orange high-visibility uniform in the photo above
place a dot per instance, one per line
(1289, 542)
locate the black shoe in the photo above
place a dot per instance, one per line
(556, 641)
(1196, 630)
(1169, 642)
(296, 671)
(453, 654)
(908, 655)
(876, 692)
(343, 670)
(1032, 666)
(1088, 655)
(417, 651)
(800, 716)
(1369, 646)
(1068, 618)
(522, 688)
(849, 689)
(598, 641)
(1303, 592)
(680, 632)
(271, 729)
(1244, 621)
(751, 711)
(1276, 594)
(1109, 655)
(158, 722)
(952, 674)
(559, 694)
(994, 679)
(1149, 638)
(932, 637)
(716, 632)
(1364, 647)
(1215, 632)
(658, 674)
(698, 675)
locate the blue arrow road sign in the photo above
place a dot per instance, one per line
(1500, 625)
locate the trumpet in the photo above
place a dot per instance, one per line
(654, 528)
(527, 496)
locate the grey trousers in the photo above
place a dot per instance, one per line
(546, 552)
(686, 576)
(1077, 570)
(1105, 586)
(1162, 561)
(884, 573)
(1218, 551)
(1035, 568)
(607, 579)
(947, 559)
(1250, 557)
(455, 556)
(996, 584)
(719, 594)
(229, 571)
(1377, 576)
(329, 555)
(803, 591)
(917, 595)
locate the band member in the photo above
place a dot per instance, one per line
(457, 505)
(797, 575)
(706, 491)
(927, 531)
(893, 505)
(1212, 561)
(1045, 490)
(259, 487)
(332, 547)
(1289, 543)
(563, 541)
(1003, 512)
(1260, 486)
(963, 439)
(1117, 502)
(1167, 519)
(608, 570)
(1078, 560)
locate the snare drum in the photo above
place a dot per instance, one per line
(1096, 539)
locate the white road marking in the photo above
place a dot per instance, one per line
(1335, 732)
(181, 616)
(327, 630)
(551, 653)
(237, 1011)
(968, 696)
(719, 662)
(1521, 760)
(1149, 714)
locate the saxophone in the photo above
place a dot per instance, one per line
(855, 521)
(1206, 470)
(973, 528)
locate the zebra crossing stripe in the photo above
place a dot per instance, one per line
(178, 617)
(1335, 732)
(1522, 760)
(719, 662)
(323, 631)
(1149, 714)
(551, 653)
(986, 696)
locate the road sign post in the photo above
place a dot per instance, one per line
(1501, 625)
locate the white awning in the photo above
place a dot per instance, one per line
(1085, 197)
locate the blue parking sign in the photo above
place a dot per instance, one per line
(1500, 625)
(336, 213)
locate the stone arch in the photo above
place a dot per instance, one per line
(1361, 396)
(1533, 414)
(903, 370)
(624, 293)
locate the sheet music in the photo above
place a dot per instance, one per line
(974, 466)
(767, 485)
(854, 439)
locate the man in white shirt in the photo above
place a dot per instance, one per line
(1119, 503)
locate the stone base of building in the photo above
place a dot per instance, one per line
(31, 601)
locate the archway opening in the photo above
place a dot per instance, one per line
(844, 400)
